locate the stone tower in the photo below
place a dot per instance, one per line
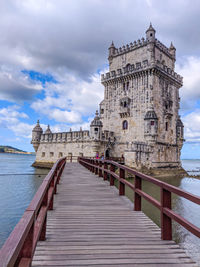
(141, 103)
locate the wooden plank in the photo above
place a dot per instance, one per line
(91, 225)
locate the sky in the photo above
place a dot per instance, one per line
(53, 52)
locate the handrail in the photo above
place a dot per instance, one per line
(19, 248)
(106, 168)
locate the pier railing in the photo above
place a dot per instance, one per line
(107, 169)
(19, 248)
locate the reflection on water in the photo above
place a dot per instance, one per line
(18, 184)
(188, 210)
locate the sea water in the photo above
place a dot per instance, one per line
(18, 184)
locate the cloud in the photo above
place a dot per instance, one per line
(71, 99)
(74, 36)
(189, 68)
(192, 126)
(10, 119)
(16, 86)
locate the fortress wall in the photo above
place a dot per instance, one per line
(50, 152)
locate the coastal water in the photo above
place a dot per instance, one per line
(19, 182)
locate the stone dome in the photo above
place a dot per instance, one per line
(48, 131)
(151, 115)
(150, 28)
(37, 128)
(96, 121)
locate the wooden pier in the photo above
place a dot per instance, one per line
(89, 224)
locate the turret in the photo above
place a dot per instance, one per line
(150, 38)
(150, 34)
(111, 51)
(172, 51)
(96, 127)
(36, 135)
(48, 130)
(179, 130)
(151, 125)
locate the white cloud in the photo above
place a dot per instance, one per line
(189, 68)
(10, 119)
(15, 86)
(70, 99)
(192, 126)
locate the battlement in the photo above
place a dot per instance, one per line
(138, 44)
(163, 48)
(140, 66)
(64, 137)
(130, 47)
(74, 136)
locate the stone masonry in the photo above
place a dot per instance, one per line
(138, 115)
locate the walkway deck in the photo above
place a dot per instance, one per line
(92, 226)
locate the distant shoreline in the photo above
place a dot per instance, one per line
(18, 152)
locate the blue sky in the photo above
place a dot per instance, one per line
(52, 54)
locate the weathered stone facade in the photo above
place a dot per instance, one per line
(138, 115)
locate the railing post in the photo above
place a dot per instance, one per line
(43, 231)
(112, 169)
(51, 200)
(105, 174)
(137, 197)
(27, 250)
(96, 168)
(93, 169)
(121, 185)
(166, 222)
(100, 170)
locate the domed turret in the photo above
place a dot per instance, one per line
(36, 135)
(111, 51)
(172, 50)
(151, 125)
(179, 129)
(48, 130)
(96, 127)
(150, 34)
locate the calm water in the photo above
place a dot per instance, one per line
(19, 182)
(183, 207)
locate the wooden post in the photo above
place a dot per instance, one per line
(100, 171)
(112, 169)
(121, 185)
(51, 200)
(93, 168)
(56, 178)
(166, 222)
(27, 249)
(43, 231)
(96, 168)
(105, 174)
(137, 197)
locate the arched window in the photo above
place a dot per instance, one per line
(124, 125)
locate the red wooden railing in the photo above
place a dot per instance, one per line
(19, 248)
(106, 168)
